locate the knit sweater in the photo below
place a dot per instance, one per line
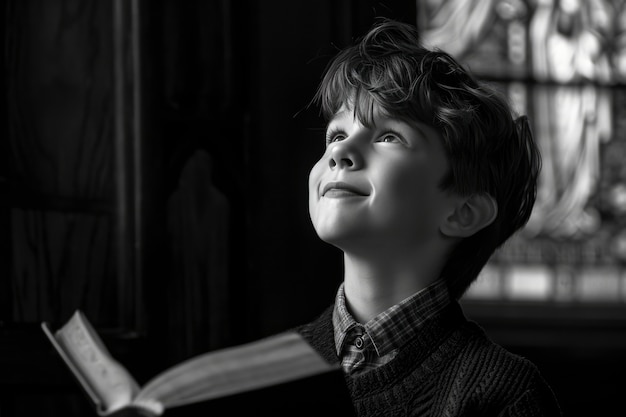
(450, 368)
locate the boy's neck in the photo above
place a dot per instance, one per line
(373, 285)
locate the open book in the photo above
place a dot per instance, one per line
(273, 361)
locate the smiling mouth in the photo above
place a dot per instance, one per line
(341, 189)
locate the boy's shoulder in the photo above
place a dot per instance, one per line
(480, 355)
(499, 376)
(319, 333)
(483, 351)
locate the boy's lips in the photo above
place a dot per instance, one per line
(339, 188)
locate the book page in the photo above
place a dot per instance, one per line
(109, 380)
(273, 360)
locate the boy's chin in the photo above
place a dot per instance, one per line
(330, 237)
(342, 241)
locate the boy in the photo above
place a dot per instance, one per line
(425, 174)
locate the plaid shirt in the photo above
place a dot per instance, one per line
(363, 347)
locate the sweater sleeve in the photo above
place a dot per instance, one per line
(538, 401)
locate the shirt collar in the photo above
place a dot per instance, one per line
(343, 322)
(390, 329)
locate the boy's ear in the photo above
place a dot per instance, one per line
(471, 214)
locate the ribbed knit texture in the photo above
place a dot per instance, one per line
(449, 369)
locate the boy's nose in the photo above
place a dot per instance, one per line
(343, 156)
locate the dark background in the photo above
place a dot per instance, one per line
(227, 80)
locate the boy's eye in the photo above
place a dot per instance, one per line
(390, 138)
(334, 137)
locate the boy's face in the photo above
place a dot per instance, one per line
(379, 186)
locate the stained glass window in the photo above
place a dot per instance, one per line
(562, 62)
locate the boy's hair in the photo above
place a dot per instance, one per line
(489, 151)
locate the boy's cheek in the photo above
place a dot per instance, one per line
(314, 179)
(314, 184)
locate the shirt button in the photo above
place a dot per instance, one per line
(358, 342)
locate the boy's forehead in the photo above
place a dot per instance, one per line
(347, 113)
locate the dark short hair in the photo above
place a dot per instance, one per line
(490, 150)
